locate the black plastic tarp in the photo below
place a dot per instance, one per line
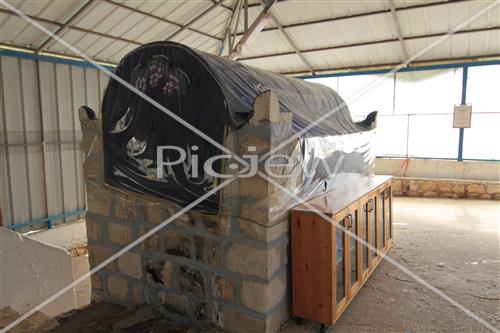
(216, 95)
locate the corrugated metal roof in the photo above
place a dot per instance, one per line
(329, 34)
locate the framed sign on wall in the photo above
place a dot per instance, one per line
(462, 115)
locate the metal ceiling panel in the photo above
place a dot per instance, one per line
(144, 5)
(110, 52)
(118, 15)
(329, 34)
(118, 56)
(214, 17)
(367, 55)
(356, 30)
(188, 10)
(290, 12)
(280, 64)
(164, 9)
(458, 46)
(57, 10)
(30, 8)
(72, 37)
(16, 31)
(159, 29)
(99, 12)
(84, 43)
(101, 44)
(269, 42)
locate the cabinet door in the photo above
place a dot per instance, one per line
(381, 220)
(340, 284)
(388, 215)
(354, 246)
(374, 232)
(364, 213)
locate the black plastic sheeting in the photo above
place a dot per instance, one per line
(215, 95)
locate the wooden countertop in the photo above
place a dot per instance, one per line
(336, 200)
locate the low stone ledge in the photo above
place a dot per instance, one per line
(445, 188)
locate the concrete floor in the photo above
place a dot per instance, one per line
(452, 244)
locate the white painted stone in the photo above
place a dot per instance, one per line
(69, 235)
(32, 272)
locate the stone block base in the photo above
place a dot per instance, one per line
(198, 269)
(236, 278)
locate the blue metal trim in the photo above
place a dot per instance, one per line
(464, 84)
(49, 220)
(406, 69)
(47, 58)
(461, 132)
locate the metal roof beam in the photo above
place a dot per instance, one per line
(64, 27)
(227, 30)
(46, 21)
(32, 53)
(254, 30)
(249, 5)
(382, 41)
(196, 18)
(384, 68)
(291, 42)
(340, 18)
(138, 11)
(395, 20)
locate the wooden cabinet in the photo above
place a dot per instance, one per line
(330, 263)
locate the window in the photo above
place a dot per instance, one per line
(331, 82)
(416, 111)
(362, 100)
(425, 92)
(432, 136)
(391, 136)
(483, 83)
(481, 141)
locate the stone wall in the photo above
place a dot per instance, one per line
(224, 270)
(230, 272)
(445, 188)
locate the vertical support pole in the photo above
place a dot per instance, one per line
(463, 102)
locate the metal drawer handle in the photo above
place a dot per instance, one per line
(368, 207)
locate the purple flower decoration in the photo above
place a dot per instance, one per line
(171, 85)
(155, 74)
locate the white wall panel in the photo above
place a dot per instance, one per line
(66, 135)
(92, 89)
(48, 95)
(33, 133)
(40, 156)
(16, 151)
(78, 98)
